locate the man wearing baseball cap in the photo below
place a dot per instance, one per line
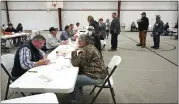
(52, 41)
(143, 24)
(157, 30)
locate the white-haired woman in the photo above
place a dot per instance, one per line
(90, 63)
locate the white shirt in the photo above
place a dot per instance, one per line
(52, 42)
(75, 29)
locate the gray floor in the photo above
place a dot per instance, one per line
(144, 75)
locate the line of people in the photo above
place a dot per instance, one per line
(143, 24)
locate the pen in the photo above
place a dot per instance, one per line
(33, 71)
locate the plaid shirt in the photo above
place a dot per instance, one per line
(25, 58)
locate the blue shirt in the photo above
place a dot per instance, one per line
(64, 36)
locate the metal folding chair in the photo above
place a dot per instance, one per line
(108, 82)
(3, 46)
(7, 62)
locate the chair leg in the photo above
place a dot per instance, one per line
(97, 95)
(7, 89)
(92, 90)
(112, 90)
(22, 94)
(113, 95)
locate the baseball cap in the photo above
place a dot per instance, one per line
(143, 13)
(157, 16)
(52, 29)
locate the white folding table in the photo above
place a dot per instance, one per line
(41, 98)
(7, 37)
(14, 35)
(58, 77)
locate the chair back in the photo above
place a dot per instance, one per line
(7, 62)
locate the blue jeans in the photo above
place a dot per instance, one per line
(83, 80)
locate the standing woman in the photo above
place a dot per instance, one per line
(96, 35)
(107, 27)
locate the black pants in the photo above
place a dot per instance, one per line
(107, 33)
(156, 39)
(114, 38)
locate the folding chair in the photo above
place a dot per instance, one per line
(103, 44)
(108, 82)
(7, 62)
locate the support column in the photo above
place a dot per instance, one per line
(119, 8)
(60, 18)
(7, 12)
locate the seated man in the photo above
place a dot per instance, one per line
(165, 29)
(91, 65)
(71, 30)
(28, 56)
(76, 28)
(52, 41)
(65, 34)
(133, 26)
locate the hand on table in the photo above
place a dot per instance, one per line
(44, 61)
(64, 42)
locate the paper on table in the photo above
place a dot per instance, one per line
(29, 83)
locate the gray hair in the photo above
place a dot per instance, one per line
(86, 38)
(38, 37)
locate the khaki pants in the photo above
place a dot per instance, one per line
(142, 37)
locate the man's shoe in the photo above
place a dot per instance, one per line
(143, 47)
(112, 50)
(153, 47)
(156, 48)
(139, 44)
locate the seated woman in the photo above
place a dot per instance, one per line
(20, 29)
(90, 62)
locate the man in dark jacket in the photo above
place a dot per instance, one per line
(143, 24)
(115, 31)
(157, 30)
(29, 56)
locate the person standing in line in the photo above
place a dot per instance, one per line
(107, 28)
(96, 36)
(102, 29)
(143, 24)
(115, 31)
(157, 30)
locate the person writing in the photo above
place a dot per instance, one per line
(28, 56)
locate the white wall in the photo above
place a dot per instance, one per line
(69, 17)
(164, 9)
(4, 18)
(44, 20)
(166, 16)
(3, 14)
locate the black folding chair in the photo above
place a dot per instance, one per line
(108, 82)
(7, 62)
